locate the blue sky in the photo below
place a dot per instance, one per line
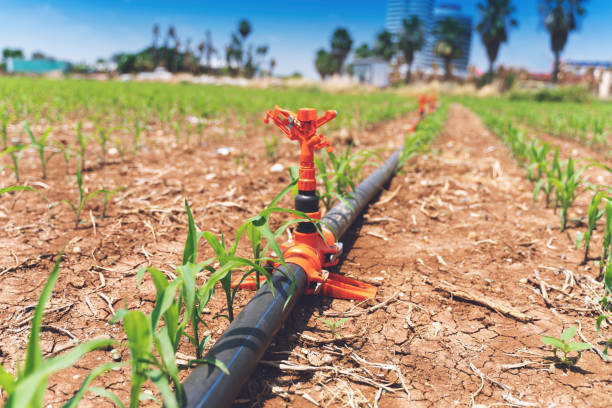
(81, 30)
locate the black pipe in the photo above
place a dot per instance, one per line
(247, 338)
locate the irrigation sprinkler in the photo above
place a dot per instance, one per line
(248, 336)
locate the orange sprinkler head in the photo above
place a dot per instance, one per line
(303, 128)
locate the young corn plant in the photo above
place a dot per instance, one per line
(545, 184)
(15, 152)
(594, 214)
(566, 346)
(606, 245)
(66, 152)
(606, 303)
(538, 160)
(272, 143)
(136, 136)
(27, 387)
(5, 119)
(77, 207)
(339, 174)
(83, 142)
(102, 140)
(334, 326)
(39, 145)
(566, 189)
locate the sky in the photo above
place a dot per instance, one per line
(82, 31)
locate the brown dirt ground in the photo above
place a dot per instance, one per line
(464, 216)
(145, 226)
(461, 215)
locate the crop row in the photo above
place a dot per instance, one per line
(153, 339)
(561, 182)
(589, 124)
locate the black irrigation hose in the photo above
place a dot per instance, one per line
(250, 334)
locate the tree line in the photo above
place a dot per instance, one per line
(559, 17)
(241, 56)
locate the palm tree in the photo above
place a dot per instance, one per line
(384, 46)
(363, 51)
(448, 33)
(272, 65)
(168, 54)
(325, 63)
(244, 28)
(493, 27)
(341, 44)
(411, 40)
(155, 39)
(560, 18)
(210, 49)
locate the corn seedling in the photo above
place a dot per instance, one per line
(27, 388)
(566, 346)
(15, 152)
(606, 304)
(108, 194)
(272, 143)
(83, 199)
(39, 145)
(5, 119)
(334, 326)
(136, 136)
(338, 174)
(593, 215)
(66, 152)
(566, 188)
(102, 140)
(544, 183)
(83, 142)
(537, 154)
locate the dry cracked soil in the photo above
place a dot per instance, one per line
(469, 273)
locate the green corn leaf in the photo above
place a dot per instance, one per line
(598, 323)
(579, 237)
(212, 361)
(552, 341)
(165, 301)
(190, 252)
(137, 327)
(293, 179)
(7, 381)
(34, 356)
(104, 393)
(568, 334)
(608, 278)
(95, 373)
(166, 351)
(23, 391)
(161, 382)
(579, 346)
(605, 350)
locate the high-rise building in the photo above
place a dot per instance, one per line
(453, 11)
(398, 10)
(430, 14)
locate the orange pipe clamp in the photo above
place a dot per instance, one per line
(317, 250)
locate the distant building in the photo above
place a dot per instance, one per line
(36, 66)
(399, 10)
(373, 71)
(424, 9)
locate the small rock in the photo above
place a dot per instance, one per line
(224, 151)
(76, 250)
(210, 176)
(276, 168)
(112, 151)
